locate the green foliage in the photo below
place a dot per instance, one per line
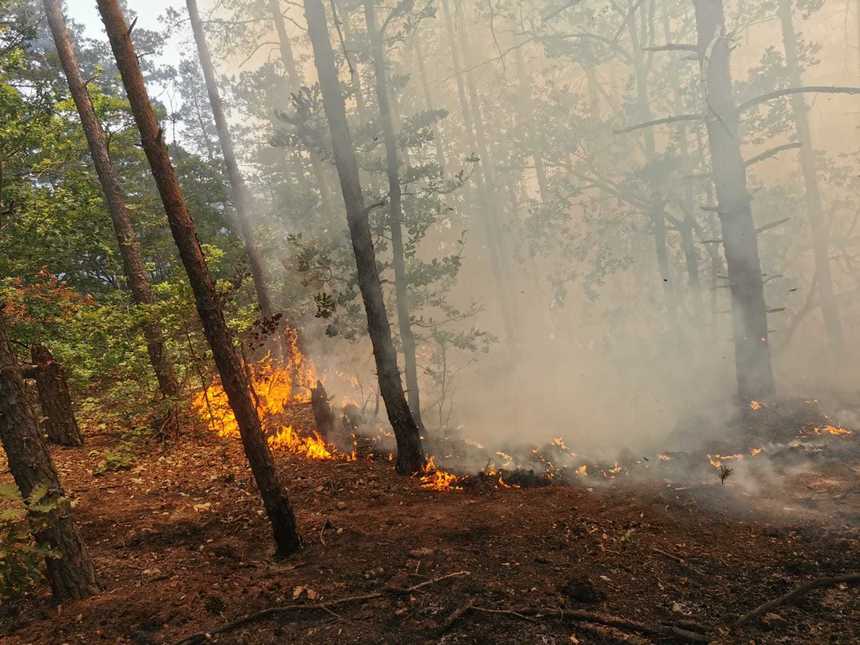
(21, 558)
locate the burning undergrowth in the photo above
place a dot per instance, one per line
(760, 453)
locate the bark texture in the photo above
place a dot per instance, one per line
(395, 211)
(71, 573)
(410, 457)
(740, 244)
(233, 377)
(54, 398)
(238, 188)
(129, 246)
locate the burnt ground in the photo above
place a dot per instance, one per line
(181, 546)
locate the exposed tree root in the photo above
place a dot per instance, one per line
(796, 593)
(325, 607)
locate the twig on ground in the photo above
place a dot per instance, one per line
(325, 607)
(796, 593)
(579, 615)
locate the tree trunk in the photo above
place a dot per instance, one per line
(70, 571)
(238, 188)
(395, 211)
(129, 246)
(54, 398)
(410, 457)
(294, 79)
(814, 210)
(740, 244)
(233, 377)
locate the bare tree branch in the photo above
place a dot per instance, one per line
(662, 121)
(772, 152)
(807, 89)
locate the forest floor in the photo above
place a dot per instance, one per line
(182, 546)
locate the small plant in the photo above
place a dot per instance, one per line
(21, 558)
(114, 460)
(725, 473)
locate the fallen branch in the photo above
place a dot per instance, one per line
(798, 592)
(326, 607)
(579, 615)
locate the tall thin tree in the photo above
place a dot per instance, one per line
(410, 456)
(233, 377)
(740, 242)
(395, 209)
(812, 192)
(238, 188)
(129, 246)
(70, 570)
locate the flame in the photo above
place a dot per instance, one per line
(312, 447)
(754, 452)
(434, 478)
(664, 457)
(756, 405)
(717, 460)
(834, 430)
(582, 471)
(274, 387)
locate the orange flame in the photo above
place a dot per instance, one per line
(434, 478)
(274, 388)
(834, 430)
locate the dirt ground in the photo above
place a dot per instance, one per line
(181, 546)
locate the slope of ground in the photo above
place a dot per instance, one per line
(182, 547)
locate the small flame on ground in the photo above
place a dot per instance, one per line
(312, 447)
(434, 478)
(717, 460)
(834, 430)
(756, 405)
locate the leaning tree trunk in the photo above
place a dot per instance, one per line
(233, 377)
(740, 244)
(70, 570)
(410, 457)
(238, 188)
(814, 209)
(54, 398)
(395, 211)
(129, 246)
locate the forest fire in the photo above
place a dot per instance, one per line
(275, 388)
(434, 478)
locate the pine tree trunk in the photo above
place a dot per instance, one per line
(410, 457)
(71, 574)
(238, 188)
(740, 243)
(233, 378)
(395, 211)
(54, 398)
(814, 209)
(129, 246)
